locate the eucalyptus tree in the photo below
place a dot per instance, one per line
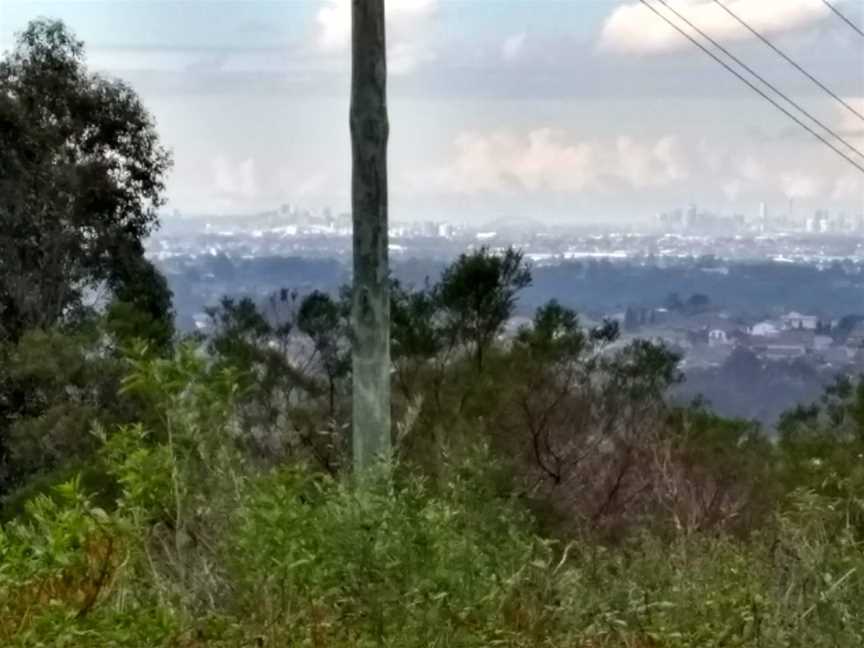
(81, 182)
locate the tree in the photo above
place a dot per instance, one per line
(240, 333)
(142, 307)
(478, 295)
(846, 325)
(81, 179)
(698, 303)
(321, 318)
(673, 302)
(631, 320)
(414, 321)
(555, 333)
(371, 301)
(417, 335)
(53, 386)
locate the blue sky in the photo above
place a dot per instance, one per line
(569, 110)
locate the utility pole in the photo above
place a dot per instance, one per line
(370, 312)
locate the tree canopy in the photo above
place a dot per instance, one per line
(81, 181)
(478, 294)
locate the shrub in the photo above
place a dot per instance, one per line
(384, 562)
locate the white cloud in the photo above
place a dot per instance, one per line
(404, 57)
(732, 190)
(714, 156)
(751, 169)
(244, 185)
(544, 160)
(334, 19)
(553, 161)
(334, 24)
(235, 182)
(800, 185)
(294, 186)
(646, 165)
(635, 29)
(849, 188)
(549, 163)
(513, 46)
(850, 125)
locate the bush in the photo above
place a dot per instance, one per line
(384, 563)
(200, 548)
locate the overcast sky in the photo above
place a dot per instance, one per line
(566, 110)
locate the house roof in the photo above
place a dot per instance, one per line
(797, 315)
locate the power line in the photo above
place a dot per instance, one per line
(756, 88)
(789, 60)
(761, 78)
(844, 18)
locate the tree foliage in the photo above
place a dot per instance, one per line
(478, 295)
(325, 321)
(81, 180)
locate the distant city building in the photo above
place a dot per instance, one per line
(717, 337)
(446, 230)
(796, 320)
(765, 329)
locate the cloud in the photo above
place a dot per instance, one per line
(634, 29)
(294, 185)
(549, 161)
(800, 185)
(545, 161)
(403, 58)
(732, 190)
(244, 185)
(513, 46)
(334, 24)
(234, 182)
(642, 165)
(849, 188)
(334, 19)
(850, 125)
(751, 169)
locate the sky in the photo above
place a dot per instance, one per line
(567, 111)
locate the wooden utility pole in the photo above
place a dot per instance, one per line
(370, 314)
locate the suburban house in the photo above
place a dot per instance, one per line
(795, 320)
(767, 328)
(793, 343)
(717, 337)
